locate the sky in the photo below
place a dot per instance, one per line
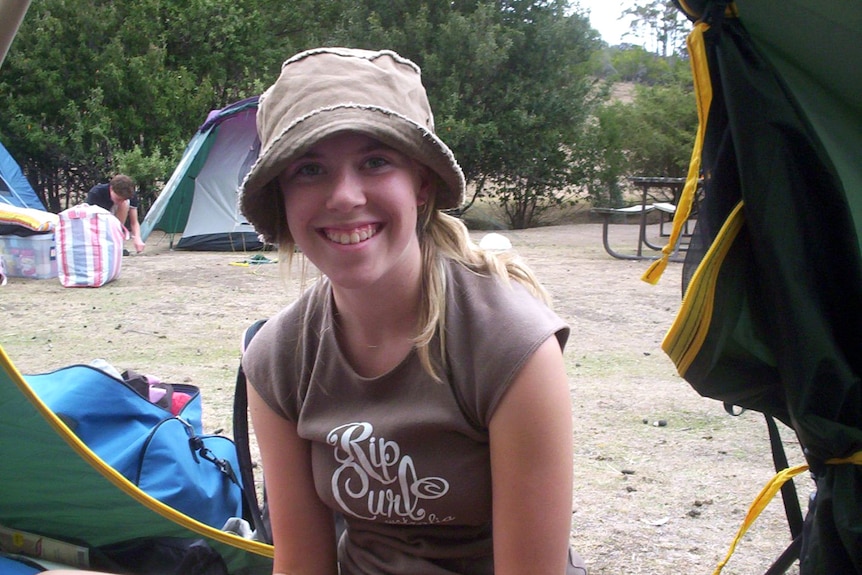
(604, 16)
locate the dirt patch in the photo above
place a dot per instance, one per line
(649, 499)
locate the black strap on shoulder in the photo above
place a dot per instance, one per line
(251, 506)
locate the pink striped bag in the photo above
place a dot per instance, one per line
(89, 246)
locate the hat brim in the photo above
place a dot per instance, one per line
(388, 127)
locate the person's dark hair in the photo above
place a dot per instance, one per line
(123, 186)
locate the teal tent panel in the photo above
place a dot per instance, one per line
(171, 210)
(814, 47)
(52, 485)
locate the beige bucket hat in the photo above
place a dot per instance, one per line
(330, 90)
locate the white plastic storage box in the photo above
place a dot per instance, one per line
(29, 257)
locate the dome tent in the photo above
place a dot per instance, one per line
(199, 202)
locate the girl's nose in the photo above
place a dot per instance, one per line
(347, 191)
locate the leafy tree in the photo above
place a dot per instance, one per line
(660, 23)
(662, 125)
(85, 81)
(546, 100)
(88, 82)
(472, 57)
(604, 160)
(648, 134)
(636, 64)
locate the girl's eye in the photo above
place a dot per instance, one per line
(376, 162)
(309, 170)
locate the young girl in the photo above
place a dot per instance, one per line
(418, 389)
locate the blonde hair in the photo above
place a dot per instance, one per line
(441, 237)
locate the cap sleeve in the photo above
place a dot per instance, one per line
(492, 329)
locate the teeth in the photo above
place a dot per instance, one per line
(353, 237)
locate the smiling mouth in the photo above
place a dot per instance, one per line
(349, 237)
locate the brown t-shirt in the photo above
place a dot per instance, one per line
(404, 458)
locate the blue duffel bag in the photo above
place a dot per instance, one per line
(160, 448)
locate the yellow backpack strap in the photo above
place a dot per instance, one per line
(759, 504)
(769, 491)
(703, 95)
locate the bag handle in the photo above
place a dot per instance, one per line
(251, 507)
(199, 449)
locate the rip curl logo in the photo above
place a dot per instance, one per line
(374, 480)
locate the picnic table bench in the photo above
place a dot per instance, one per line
(664, 203)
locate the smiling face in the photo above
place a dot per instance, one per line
(351, 205)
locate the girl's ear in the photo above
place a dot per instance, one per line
(426, 179)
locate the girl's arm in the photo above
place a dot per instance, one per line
(531, 467)
(303, 530)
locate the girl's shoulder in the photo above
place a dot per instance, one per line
(492, 327)
(300, 322)
(488, 297)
